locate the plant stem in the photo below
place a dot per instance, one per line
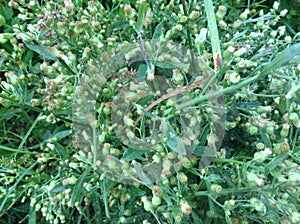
(220, 160)
(104, 194)
(188, 32)
(219, 93)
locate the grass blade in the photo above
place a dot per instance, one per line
(141, 16)
(214, 34)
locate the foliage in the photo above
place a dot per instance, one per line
(46, 47)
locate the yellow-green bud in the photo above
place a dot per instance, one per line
(2, 20)
(156, 201)
(285, 130)
(216, 188)
(258, 205)
(221, 12)
(295, 119)
(234, 77)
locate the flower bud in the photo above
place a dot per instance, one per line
(234, 78)
(201, 38)
(240, 52)
(182, 177)
(216, 188)
(258, 205)
(194, 15)
(222, 24)
(185, 208)
(285, 130)
(228, 52)
(156, 201)
(2, 20)
(147, 205)
(254, 180)
(295, 119)
(284, 12)
(244, 15)
(221, 13)
(295, 217)
(294, 176)
(263, 109)
(293, 91)
(276, 5)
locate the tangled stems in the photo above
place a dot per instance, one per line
(287, 56)
(220, 92)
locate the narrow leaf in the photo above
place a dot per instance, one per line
(41, 50)
(133, 154)
(1, 60)
(212, 26)
(274, 163)
(172, 140)
(158, 32)
(141, 72)
(141, 16)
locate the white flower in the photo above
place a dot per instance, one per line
(284, 12)
(288, 39)
(276, 5)
(200, 38)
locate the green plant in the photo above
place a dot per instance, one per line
(50, 49)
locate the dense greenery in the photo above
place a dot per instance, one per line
(57, 168)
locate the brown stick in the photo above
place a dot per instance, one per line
(167, 96)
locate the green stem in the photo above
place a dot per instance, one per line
(220, 160)
(12, 188)
(188, 32)
(219, 93)
(104, 194)
(29, 132)
(225, 191)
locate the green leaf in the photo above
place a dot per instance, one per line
(13, 187)
(137, 192)
(167, 65)
(62, 134)
(157, 32)
(204, 151)
(196, 218)
(248, 105)
(141, 174)
(35, 69)
(32, 216)
(274, 163)
(168, 111)
(95, 202)
(266, 139)
(271, 211)
(133, 154)
(172, 139)
(28, 57)
(141, 16)
(63, 152)
(1, 60)
(8, 47)
(212, 26)
(78, 189)
(64, 64)
(119, 25)
(287, 56)
(141, 72)
(41, 50)
(282, 105)
(214, 178)
(6, 11)
(58, 188)
(203, 137)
